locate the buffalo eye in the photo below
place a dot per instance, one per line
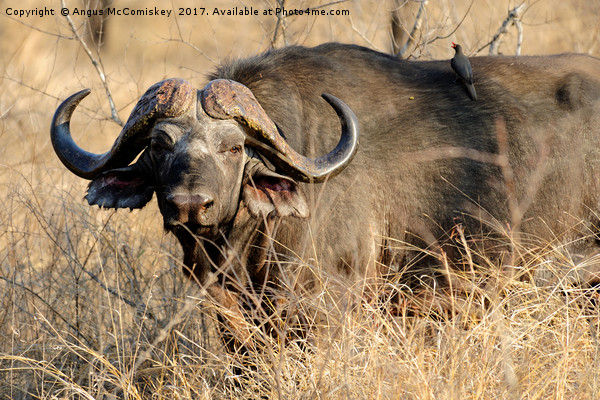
(159, 145)
(235, 149)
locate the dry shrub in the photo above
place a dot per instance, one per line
(512, 339)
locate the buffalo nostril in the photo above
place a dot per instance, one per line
(206, 206)
(201, 201)
(189, 205)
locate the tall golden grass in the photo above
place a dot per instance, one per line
(93, 304)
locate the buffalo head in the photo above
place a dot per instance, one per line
(203, 153)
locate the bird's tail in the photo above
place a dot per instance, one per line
(472, 92)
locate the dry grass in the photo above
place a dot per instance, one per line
(93, 304)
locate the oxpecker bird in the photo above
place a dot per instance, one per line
(461, 65)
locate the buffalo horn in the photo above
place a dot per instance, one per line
(169, 98)
(224, 99)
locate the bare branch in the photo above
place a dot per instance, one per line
(415, 29)
(397, 28)
(97, 64)
(455, 28)
(519, 26)
(356, 30)
(514, 18)
(21, 83)
(279, 26)
(190, 44)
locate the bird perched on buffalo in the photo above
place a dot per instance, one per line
(461, 65)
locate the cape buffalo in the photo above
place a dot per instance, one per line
(432, 169)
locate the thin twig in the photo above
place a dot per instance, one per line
(281, 20)
(519, 26)
(189, 304)
(38, 215)
(361, 34)
(455, 28)
(190, 44)
(397, 27)
(21, 83)
(280, 24)
(98, 65)
(328, 4)
(415, 29)
(50, 307)
(514, 15)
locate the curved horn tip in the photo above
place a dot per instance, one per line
(327, 166)
(60, 135)
(348, 119)
(342, 109)
(65, 110)
(331, 164)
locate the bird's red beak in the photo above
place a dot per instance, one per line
(453, 45)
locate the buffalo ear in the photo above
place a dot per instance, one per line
(120, 188)
(267, 193)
